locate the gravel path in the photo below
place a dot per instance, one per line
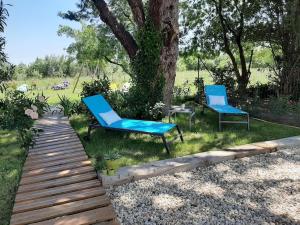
(263, 189)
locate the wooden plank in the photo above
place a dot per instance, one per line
(50, 126)
(57, 149)
(56, 168)
(46, 137)
(55, 175)
(46, 134)
(55, 163)
(104, 214)
(70, 140)
(52, 154)
(111, 222)
(58, 199)
(61, 210)
(57, 182)
(51, 147)
(56, 129)
(20, 197)
(54, 139)
(54, 158)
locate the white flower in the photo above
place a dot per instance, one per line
(34, 115)
(28, 112)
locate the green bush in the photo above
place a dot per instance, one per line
(98, 86)
(17, 112)
(70, 108)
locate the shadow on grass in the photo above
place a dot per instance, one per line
(204, 136)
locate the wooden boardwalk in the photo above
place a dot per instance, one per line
(59, 185)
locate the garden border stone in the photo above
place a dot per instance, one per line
(170, 166)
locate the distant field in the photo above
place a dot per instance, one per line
(44, 85)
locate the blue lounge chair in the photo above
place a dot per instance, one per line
(216, 100)
(101, 110)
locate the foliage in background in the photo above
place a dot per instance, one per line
(219, 27)
(6, 69)
(282, 33)
(50, 66)
(97, 86)
(95, 47)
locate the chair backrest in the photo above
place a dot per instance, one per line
(215, 90)
(97, 104)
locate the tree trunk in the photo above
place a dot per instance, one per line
(290, 74)
(243, 78)
(165, 15)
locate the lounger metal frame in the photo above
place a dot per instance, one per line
(221, 117)
(162, 136)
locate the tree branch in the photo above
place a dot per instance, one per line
(225, 38)
(117, 28)
(137, 9)
(118, 64)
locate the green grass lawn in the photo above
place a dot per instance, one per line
(44, 85)
(136, 148)
(11, 162)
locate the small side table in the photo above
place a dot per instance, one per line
(182, 109)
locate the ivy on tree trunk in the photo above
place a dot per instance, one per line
(164, 16)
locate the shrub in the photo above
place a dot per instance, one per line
(17, 112)
(98, 86)
(70, 108)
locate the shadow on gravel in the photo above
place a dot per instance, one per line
(219, 194)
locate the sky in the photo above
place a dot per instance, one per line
(32, 26)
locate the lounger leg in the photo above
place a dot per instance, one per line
(166, 144)
(220, 123)
(248, 120)
(179, 132)
(88, 136)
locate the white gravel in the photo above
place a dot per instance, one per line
(263, 189)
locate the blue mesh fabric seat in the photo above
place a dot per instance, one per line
(97, 105)
(219, 91)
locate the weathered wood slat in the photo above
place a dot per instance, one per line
(57, 182)
(54, 139)
(54, 158)
(58, 143)
(55, 163)
(58, 199)
(55, 175)
(51, 147)
(56, 168)
(59, 210)
(56, 149)
(104, 214)
(48, 134)
(56, 190)
(52, 154)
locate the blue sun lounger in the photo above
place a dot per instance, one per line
(216, 100)
(109, 120)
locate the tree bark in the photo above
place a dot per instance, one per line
(137, 9)
(117, 28)
(164, 14)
